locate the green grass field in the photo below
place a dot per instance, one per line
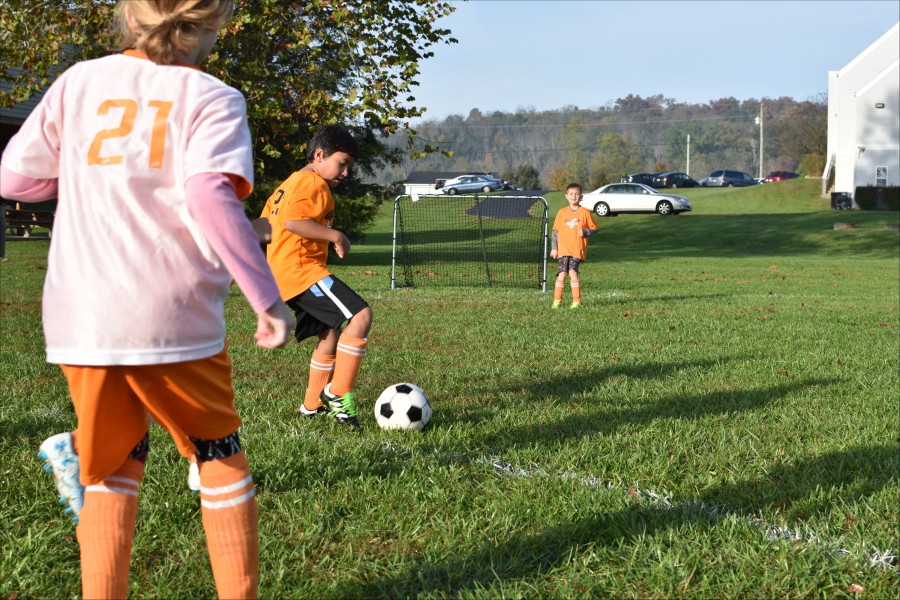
(721, 419)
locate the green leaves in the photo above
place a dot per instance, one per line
(300, 65)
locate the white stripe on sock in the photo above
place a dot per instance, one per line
(228, 503)
(110, 490)
(226, 489)
(128, 480)
(351, 350)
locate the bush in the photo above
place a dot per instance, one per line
(354, 215)
(812, 165)
(871, 197)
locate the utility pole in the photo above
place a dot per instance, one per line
(688, 168)
(759, 121)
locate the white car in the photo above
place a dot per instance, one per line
(616, 198)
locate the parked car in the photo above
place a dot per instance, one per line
(780, 176)
(616, 198)
(645, 178)
(472, 183)
(674, 179)
(726, 178)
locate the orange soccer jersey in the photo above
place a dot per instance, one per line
(298, 262)
(566, 226)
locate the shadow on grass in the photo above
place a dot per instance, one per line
(585, 418)
(848, 473)
(585, 421)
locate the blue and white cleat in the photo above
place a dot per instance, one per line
(60, 458)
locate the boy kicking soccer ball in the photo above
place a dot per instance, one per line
(301, 213)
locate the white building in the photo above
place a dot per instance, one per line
(430, 182)
(864, 119)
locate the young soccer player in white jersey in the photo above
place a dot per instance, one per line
(155, 156)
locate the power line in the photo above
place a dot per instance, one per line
(570, 124)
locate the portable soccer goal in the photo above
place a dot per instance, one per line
(478, 241)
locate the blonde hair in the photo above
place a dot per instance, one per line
(169, 28)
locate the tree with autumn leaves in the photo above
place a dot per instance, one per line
(299, 65)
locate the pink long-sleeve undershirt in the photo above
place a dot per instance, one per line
(213, 203)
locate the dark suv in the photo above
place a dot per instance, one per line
(725, 178)
(645, 178)
(674, 180)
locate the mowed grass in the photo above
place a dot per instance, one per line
(719, 420)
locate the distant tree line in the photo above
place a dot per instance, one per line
(549, 149)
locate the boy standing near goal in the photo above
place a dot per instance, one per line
(301, 213)
(571, 229)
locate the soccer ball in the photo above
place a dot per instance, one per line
(402, 406)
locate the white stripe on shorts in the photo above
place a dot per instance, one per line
(327, 291)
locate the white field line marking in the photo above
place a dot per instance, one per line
(877, 558)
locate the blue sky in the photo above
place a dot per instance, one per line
(546, 54)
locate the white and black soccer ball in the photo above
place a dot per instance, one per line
(402, 406)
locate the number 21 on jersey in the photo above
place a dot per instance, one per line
(126, 127)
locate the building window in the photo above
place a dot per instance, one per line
(881, 176)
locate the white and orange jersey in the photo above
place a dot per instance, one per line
(131, 280)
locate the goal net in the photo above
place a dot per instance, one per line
(478, 241)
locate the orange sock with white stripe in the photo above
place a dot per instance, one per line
(350, 354)
(576, 291)
(558, 290)
(105, 532)
(231, 522)
(321, 368)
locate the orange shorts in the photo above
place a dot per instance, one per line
(192, 398)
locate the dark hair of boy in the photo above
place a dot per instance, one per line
(331, 139)
(573, 186)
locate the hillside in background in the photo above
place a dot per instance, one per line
(635, 134)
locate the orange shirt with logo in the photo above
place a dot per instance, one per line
(298, 262)
(566, 226)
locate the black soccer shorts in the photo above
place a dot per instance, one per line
(327, 304)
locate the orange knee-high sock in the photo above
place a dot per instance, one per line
(231, 522)
(105, 532)
(576, 291)
(558, 290)
(321, 368)
(350, 354)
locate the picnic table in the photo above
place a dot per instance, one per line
(20, 219)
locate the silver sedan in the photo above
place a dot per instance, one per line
(619, 198)
(471, 183)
